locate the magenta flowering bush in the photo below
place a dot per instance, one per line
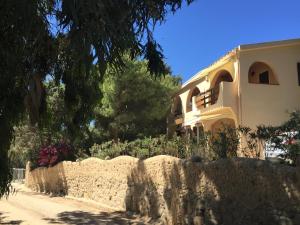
(52, 154)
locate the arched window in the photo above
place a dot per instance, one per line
(192, 93)
(221, 76)
(261, 73)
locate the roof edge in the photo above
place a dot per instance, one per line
(270, 44)
(244, 47)
(211, 67)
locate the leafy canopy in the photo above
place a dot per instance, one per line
(64, 38)
(134, 104)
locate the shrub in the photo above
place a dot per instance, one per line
(52, 154)
(292, 152)
(108, 149)
(284, 138)
(140, 148)
(148, 147)
(33, 156)
(225, 142)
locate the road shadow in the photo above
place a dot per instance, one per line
(4, 221)
(102, 218)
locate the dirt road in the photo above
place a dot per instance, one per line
(27, 207)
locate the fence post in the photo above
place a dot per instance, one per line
(18, 174)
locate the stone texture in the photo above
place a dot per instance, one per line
(173, 191)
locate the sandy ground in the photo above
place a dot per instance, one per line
(27, 207)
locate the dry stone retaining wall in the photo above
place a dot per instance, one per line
(173, 191)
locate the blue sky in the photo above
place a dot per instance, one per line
(199, 34)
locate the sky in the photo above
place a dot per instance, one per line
(198, 34)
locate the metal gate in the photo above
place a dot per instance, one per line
(18, 175)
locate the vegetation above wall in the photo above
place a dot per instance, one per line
(64, 39)
(133, 105)
(285, 138)
(224, 144)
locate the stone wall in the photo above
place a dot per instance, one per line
(173, 191)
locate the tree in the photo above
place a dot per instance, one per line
(134, 104)
(57, 126)
(64, 38)
(26, 139)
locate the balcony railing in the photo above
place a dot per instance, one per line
(207, 98)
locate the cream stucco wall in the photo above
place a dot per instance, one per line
(269, 104)
(247, 103)
(227, 96)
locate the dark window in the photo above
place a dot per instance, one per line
(298, 65)
(264, 77)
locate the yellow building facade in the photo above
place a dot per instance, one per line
(255, 84)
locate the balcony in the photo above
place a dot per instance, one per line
(223, 95)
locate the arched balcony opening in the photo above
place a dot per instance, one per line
(221, 76)
(261, 73)
(190, 101)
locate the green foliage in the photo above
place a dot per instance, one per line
(203, 149)
(225, 142)
(73, 123)
(140, 148)
(64, 39)
(292, 152)
(284, 137)
(148, 147)
(57, 125)
(33, 156)
(25, 52)
(26, 140)
(134, 104)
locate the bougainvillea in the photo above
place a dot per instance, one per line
(52, 154)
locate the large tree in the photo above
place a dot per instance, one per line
(134, 104)
(63, 38)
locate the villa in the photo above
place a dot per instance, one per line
(253, 84)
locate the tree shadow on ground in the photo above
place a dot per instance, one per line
(102, 218)
(4, 221)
